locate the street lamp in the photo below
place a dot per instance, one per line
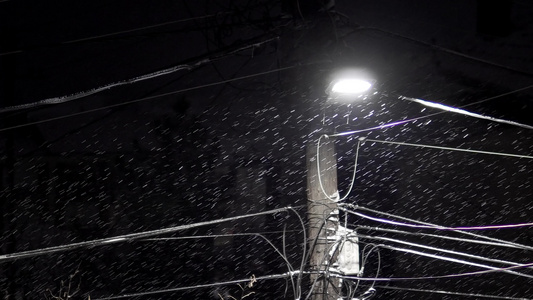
(327, 236)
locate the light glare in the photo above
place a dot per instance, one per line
(351, 86)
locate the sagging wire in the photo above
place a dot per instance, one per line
(339, 198)
(351, 288)
(285, 254)
(282, 255)
(440, 250)
(370, 292)
(451, 293)
(135, 236)
(258, 278)
(364, 258)
(450, 149)
(142, 235)
(304, 254)
(517, 245)
(298, 291)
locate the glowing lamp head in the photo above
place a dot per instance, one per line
(350, 86)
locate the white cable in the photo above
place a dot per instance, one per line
(276, 276)
(438, 227)
(441, 250)
(517, 245)
(320, 176)
(212, 236)
(484, 237)
(152, 97)
(63, 99)
(464, 112)
(387, 125)
(438, 236)
(451, 149)
(131, 236)
(455, 275)
(458, 261)
(402, 122)
(451, 293)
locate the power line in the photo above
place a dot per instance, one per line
(517, 245)
(282, 255)
(290, 274)
(152, 97)
(124, 31)
(456, 110)
(438, 227)
(266, 277)
(194, 237)
(436, 236)
(383, 126)
(459, 261)
(63, 99)
(450, 149)
(443, 49)
(131, 236)
(454, 275)
(439, 249)
(499, 96)
(146, 27)
(450, 293)
(402, 122)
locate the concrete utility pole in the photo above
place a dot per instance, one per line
(322, 214)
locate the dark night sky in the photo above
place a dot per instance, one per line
(224, 131)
